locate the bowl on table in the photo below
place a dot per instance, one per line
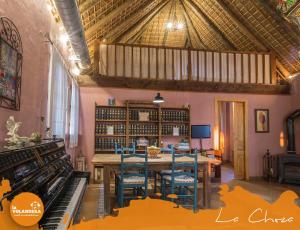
(153, 152)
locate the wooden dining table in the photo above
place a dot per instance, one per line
(111, 163)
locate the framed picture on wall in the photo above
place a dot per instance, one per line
(10, 65)
(262, 121)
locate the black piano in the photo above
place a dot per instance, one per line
(46, 170)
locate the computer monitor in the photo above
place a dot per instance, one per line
(201, 131)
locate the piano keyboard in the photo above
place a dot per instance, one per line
(46, 170)
(59, 218)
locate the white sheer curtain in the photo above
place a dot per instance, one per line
(59, 95)
(74, 115)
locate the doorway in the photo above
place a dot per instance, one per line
(231, 129)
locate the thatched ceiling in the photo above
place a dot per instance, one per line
(243, 25)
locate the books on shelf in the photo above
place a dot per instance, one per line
(110, 130)
(143, 125)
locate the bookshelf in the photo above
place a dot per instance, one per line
(139, 122)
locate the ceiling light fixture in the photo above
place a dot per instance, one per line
(179, 26)
(74, 58)
(169, 25)
(173, 22)
(158, 99)
(76, 71)
(292, 76)
(64, 38)
(49, 7)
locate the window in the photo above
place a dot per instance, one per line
(58, 95)
(74, 115)
(63, 100)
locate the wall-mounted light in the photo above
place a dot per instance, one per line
(64, 38)
(75, 71)
(216, 139)
(294, 75)
(281, 140)
(49, 7)
(158, 99)
(74, 58)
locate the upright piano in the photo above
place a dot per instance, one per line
(46, 170)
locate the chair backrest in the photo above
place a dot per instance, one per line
(129, 168)
(186, 161)
(118, 149)
(168, 150)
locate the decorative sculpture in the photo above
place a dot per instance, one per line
(36, 137)
(13, 128)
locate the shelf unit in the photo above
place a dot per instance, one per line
(128, 126)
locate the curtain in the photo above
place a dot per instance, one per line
(74, 115)
(59, 96)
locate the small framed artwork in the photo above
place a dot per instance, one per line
(10, 65)
(262, 121)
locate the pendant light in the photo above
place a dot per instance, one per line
(158, 99)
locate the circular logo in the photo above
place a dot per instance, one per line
(26, 209)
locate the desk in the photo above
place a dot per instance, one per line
(111, 162)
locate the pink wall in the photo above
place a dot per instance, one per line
(31, 18)
(296, 105)
(202, 112)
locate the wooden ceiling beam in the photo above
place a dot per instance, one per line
(242, 26)
(192, 26)
(87, 5)
(115, 35)
(207, 20)
(293, 9)
(139, 28)
(290, 28)
(191, 86)
(167, 30)
(188, 42)
(107, 18)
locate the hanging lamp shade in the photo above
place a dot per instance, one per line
(158, 99)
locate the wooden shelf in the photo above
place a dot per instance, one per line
(159, 124)
(176, 122)
(175, 136)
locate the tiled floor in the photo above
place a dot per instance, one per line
(267, 190)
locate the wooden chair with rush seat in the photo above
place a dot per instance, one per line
(164, 172)
(132, 176)
(182, 181)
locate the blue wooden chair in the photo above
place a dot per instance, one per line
(168, 150)
(183, 179)
(118, 150)
(129, 179)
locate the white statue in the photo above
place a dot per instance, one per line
(13, 128)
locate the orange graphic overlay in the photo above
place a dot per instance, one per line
(242, 211)
(26, 209)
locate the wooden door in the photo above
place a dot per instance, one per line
(239, 139)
